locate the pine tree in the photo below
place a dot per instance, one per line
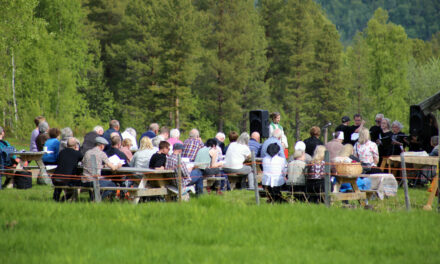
(233, 61)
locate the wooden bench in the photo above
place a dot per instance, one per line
(133, 192)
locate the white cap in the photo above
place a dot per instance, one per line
(300, 146)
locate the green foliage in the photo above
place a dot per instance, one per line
(378, 67)
(388, 55)
(424, 80)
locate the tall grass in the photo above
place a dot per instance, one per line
(210, 229)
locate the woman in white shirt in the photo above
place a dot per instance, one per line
(236, 154)
(274, 169)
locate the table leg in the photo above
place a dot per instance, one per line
(434, 185)
(9, 182)
(142, 184)
(43, 178)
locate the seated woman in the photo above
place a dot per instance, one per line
(274, 169)
(208, 155)
(6, 160)
(52, 144)
(126, 148)
(141, 159)
(367, 152)
(236, 154)
(316, 177)
(297, 170)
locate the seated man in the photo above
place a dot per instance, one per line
(159, 159)
(192, 145)
(101, 159)
(114, 149)
(196, 176)
(67, 168)
(275, 138)
(89, 139)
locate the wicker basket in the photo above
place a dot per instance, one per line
(348, 169)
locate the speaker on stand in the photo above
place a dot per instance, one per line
(259, 121)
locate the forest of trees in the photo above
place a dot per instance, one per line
(207, 63)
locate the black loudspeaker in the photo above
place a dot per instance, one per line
(422, 126)
(416, 120)
(259, 121)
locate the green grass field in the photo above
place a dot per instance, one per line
(213, 229)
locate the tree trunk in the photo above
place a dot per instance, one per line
(13, 89)
(177, 117)
(297, 125)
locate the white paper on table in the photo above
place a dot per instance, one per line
(116, 160)
(189, 165)
(416, 153)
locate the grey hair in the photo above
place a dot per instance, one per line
(66, 133)
(98, 128)
(397, 123)
(277, 133)
(131, 131)
(381, 116)
(156, 141)
(154, 126)
(175, 133)
(243, 138)
(221, 135)
(388, 122)
(43, 127)
(194, 133)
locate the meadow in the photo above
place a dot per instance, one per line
(213, 229)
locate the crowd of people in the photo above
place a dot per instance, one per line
(159, 147)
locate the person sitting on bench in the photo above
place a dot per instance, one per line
(67, 169)
(90, 168)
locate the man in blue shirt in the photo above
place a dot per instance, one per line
(275, 138)
(152, 132)
(254, 144)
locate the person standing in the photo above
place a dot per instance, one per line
(275, 124)
(345, 128)
(376, 129)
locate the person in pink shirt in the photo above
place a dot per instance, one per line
(174, 137)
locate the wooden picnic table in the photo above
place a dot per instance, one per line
(423, 161)
(355, 195)
(28, 156)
